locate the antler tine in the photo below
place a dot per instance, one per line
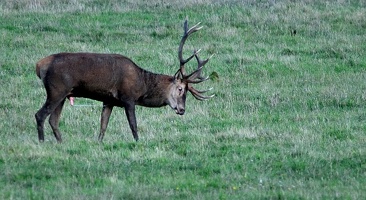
(198, 94)
(203, 91)
(193, 28)
(197, 73)
(187, 32)
(199, 80)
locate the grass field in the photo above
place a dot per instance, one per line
(288, 120)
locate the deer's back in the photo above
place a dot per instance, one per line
(92, 74)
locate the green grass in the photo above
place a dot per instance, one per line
(288, 120)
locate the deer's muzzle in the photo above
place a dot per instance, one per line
(179, 111)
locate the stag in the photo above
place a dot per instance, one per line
(114, 80)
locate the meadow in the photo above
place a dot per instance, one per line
(288, 120)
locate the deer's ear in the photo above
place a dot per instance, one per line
(178, 75)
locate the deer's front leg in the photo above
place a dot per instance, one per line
(131, 117)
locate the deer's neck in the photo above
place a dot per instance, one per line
(157, 88)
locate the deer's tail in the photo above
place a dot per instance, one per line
(42, 66)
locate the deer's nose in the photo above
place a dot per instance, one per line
(180, 111)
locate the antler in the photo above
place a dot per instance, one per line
(191, 78)
(184, 38)
(195, 77)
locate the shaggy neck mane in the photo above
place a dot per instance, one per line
(156, 89)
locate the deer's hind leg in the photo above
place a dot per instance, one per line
(53, 101)
(54, 120)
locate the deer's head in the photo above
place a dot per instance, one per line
(184, 82)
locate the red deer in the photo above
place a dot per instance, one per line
(114, 80)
